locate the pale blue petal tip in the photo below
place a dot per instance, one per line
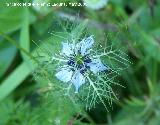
(97, 66)
(64, 75)
(86, 44)
(67, 49)
(78, 79)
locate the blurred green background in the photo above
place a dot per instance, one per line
(137, 23)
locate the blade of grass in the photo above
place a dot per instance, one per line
(24, 35)
(17, 45)
(13, 80)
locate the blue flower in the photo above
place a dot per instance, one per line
(79, 62)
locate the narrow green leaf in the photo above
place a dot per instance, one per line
(11, 17)
(17, 76)
(151, 46)
(24, 35)
(7, 55)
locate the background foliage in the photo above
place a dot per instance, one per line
(24, 100)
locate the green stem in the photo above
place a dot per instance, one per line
(17, 45)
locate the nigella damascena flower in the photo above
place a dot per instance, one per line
(79, 63)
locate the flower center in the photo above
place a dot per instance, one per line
(79, 59)
(80, 62)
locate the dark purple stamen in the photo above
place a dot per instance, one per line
(71, 62)
(82, 71)
(87, 60)
(80, 66)
(86, 66)
(79, 51)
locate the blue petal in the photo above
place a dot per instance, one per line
(67, 49)
(78, 79)
(86, 44)
(64, 75)
(97, 66)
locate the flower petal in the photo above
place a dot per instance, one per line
(64, 75)
(78, 79)
(67, 49)
(96, 66)
(86, 44)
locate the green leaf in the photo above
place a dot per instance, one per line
(11, 18)
(145, 19)
(7, 54)
(42, 25)
(14, 79)
(127, 121)
(5, 110)
(24, 35)
(150, 45)
(154, 120)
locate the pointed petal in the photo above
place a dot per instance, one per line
(78, 79)
(96, 66)
(64, 75)
(76, 48)
(86, 44)
(67, 49)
